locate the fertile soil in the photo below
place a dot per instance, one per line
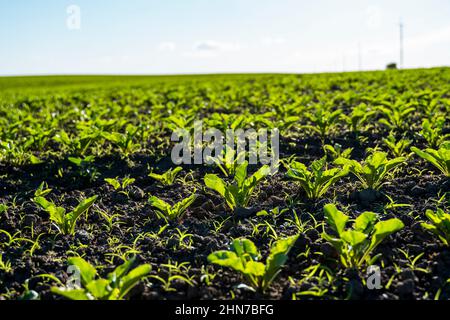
(415, 183)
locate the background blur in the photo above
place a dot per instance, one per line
(209, 36)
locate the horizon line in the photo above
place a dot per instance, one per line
(202, 73)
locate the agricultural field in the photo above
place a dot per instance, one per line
(92, 205)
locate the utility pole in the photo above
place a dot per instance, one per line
(401, 44)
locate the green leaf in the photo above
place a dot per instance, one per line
(57, 214)
(353, 238)
(261, 173)
(215, 183)
(383, 229)
(372, 170)
(277, 257)
(254, 268)
(428, 226)
(72, 294)
(439, 158)
(87, 271)
(159, 204)
(244, 246)
(133, 277)
(317, 181)
(167, 178)
(82, 207)
(121, 270)
(241, 173)
(179, 208)
(440, 224)
(365, 221)
(114, 183)
(98, 288)
(226, 258)
(337, 219)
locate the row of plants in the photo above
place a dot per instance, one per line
(362, 181)
(354, 245)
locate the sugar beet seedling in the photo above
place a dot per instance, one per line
(372, 170)
(115, 287)
(171, 212)
(439, 158)
(237, 193)
(315, 180)
(356, 244)
(243, 257)
(65, 222)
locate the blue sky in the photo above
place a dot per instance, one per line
(202, 36)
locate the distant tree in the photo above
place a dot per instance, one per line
(391, 66)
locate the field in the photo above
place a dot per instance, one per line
(93, 207)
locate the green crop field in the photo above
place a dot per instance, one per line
(93, 205)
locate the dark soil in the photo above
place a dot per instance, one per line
(100, 245)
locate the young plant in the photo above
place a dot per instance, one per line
(171, 212)
(114, 287)
(42, 190)
(177, 122)
(397, 148)
(274, 213)
(13, 239)
(432, 131)
(323, 120)
(394, 115)
(65, 222)
(111, 220)
(75, 144)
(184, 239)
(356, 244)
(3, 209)
(5, 266)
(335, 151)
(439, 158)
(168, 177)
(228, 161)
(174, 272)
(372, 170)
(316, 179)
(124, 141)
(86, 167)
(225, 121)
(118, 185)
(244, 257)
(359, 116)
(439, 225)
(238, 193)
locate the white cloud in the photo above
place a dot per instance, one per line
(216, 46)
(167, 46)
(210, 48)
